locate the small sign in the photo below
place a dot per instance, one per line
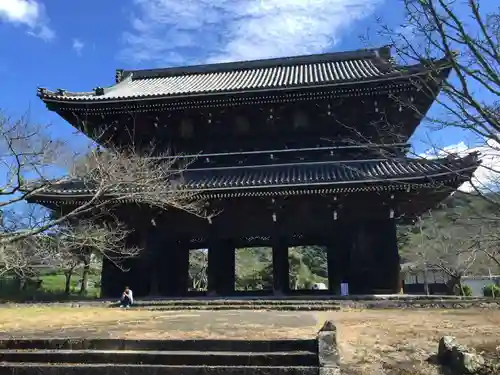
(344, 289)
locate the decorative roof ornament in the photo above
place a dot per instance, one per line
(41, 91)
(118, 75)
(99, 91)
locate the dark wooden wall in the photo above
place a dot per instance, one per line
(311, 123)
(362, 252)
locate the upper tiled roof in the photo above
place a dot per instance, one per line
(271, 74)
(305, 175)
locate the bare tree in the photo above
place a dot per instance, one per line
(456, 249)
(198, 266)
(67, 247)
(485, 239)
(107, 178)
(76, 244)
(466, 34)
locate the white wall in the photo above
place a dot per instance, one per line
(477, 285)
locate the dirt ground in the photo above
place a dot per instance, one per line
(369, 340)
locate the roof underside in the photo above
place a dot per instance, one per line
(339, 175)
(260, 75)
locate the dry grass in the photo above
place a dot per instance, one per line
(137, 323)
(369, 340)
(404, 339)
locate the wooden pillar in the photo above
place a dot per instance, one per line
(178, 270)
(173, 269)
(221, 267)
(362, 264)
(226, 275)
(338, 258)
(111, 280)
(393, 259)
(155, 256)
(281, 277)
(135, 271)
(375, 262)
(333, 267)
(152, 253)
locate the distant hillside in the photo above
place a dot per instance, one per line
(450, 234)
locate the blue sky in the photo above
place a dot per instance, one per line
(77, 45)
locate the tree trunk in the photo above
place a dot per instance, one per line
(426, 281)
(67, 285)
(18, 283)
(453, 283)
(85, 276)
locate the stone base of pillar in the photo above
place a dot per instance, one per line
(278, 293)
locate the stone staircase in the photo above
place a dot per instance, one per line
(324, 303)
(239, 304)
(138, 357)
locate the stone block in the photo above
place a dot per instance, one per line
(465, 362)
(458, 357)
(446, 345)
(328, 353)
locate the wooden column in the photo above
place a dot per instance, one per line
(393, 270)
(338, 258)
(135, 270)
(173, 269)
(178, 270)
(334, 269)
(221, 267)
(361, 261)
(281, 277)
(111, 280)
(226, 275)
(155, 256)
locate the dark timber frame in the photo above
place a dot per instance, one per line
(307, 150)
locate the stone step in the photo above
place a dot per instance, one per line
(172, 358)
(136, 369)
(301, 300)
(285, 345)
(222, 302)
(313, 307)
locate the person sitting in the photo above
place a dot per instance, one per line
(127, 298)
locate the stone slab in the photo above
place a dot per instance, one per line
(159, 345)
(113, 369)
(172, 358)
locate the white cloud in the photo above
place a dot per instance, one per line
(78, 46)
(29, 13)
(487, 176)
(179, 32)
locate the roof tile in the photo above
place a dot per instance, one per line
(307, 174)
(288, 72)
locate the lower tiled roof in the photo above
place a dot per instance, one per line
(316, 174)
(331, 173)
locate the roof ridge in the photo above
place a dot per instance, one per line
(381, 54)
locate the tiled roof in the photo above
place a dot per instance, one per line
(307, 175)
(302, 71)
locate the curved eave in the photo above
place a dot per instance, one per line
(82, 98)
(405, 185)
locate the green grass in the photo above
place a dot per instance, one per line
(55, 283)
(52, 289)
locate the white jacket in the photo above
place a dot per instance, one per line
(130, 295)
